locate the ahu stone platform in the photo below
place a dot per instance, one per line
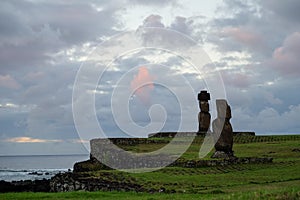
(184, 134)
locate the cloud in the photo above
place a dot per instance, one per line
(176, 35)
(262, 78)
(254, 45)
(285, 59)
(6, 81)
(285, 9)
(142, 85)
(252, 26)
(32, 31)
(9, 105)
(236, 79)
(271, 99)
(182, 24)
(268, 120)
(153, 21)
(29, 140)
(79, 141)
(152, 3)
(242, 36)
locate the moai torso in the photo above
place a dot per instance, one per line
(204, 116)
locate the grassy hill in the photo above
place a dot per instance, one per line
(277, 180)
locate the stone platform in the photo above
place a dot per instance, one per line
(184, 134)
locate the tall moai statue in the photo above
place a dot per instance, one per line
(222, 127)
(203, 116)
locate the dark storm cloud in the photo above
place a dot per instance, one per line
(36, 70)
(31, 31)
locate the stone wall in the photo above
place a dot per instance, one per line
(78, 181)
(67, 182)
(221, 162)
(243, 133)
(128, 141)
(184, 134)
(82, 167)
(120, 159)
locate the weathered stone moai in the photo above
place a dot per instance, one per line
(222, 127)
(204, 116)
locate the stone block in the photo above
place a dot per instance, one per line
(203, 96)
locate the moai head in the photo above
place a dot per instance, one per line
(222, 108)
(203, 98)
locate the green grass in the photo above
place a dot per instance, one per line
(274, 192)
(277, 180)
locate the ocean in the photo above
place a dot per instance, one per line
(32, 167)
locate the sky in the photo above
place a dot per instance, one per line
(253, 45)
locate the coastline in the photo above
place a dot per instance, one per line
(32, 173)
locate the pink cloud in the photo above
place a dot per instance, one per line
(243, 36)
(29, 140)
(285, 58)
(142, 85)
(7, 81)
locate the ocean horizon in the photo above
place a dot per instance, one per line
(34, 167)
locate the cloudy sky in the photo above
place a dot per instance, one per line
(254, 46)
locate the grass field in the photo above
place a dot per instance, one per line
(262, 193)
(277, 180)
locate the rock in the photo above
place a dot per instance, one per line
(162, 189)
(73, 182)
(77, 185)
(25, 186)
(222, 154)
(89, 165)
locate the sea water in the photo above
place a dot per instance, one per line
(32, 167)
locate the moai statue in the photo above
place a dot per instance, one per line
(221, 126)
(203, 116)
